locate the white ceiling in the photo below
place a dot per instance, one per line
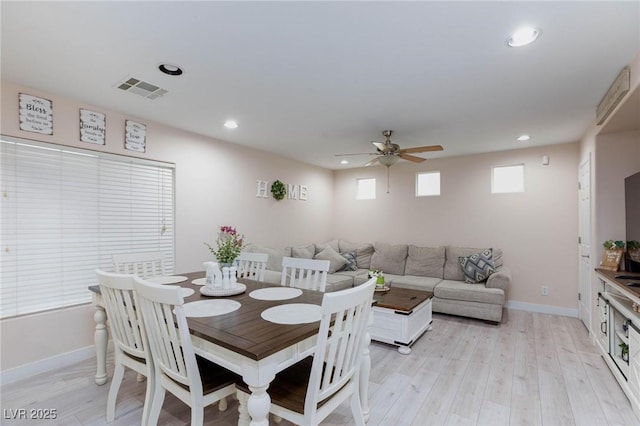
(309, 80)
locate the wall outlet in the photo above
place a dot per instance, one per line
(544, 290)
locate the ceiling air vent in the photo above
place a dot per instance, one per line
(142, 88)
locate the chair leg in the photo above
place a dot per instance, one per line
(222, 405)
(197, 416)
(116, 380)
(356, 409)
(243, 412)
(156, 403)
(148, 398)
(277, 419)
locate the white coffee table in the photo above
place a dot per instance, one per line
(400, 317)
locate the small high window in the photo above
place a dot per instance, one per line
(366, 189)
(506, 179)
(427, 184)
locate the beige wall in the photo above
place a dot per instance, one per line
(536, 229)
(215, 185)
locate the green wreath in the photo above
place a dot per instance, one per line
(278, 190)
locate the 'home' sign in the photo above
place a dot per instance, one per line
(294, 192)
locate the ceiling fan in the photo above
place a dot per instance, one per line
(388, 153)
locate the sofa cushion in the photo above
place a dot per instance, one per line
(425, 261)
(390, 259)
(363, 252)
(336, 260)
(352, 263)
(304, 252)
(415, 282)
(452, 269)
(337, 282)
(333, 244)
(458, 290)
(274, 263)
(478, 266)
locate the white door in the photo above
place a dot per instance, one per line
(584, 244)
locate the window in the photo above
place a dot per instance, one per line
(366, 189)
(427, 184)
(66, 211)
(507, 179)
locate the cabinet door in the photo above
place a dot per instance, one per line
(634, 362)
(603, 327)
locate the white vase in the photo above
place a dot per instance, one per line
(214, 277)
(226, 283)
(232, 276)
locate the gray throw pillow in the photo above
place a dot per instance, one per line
(333, 244)
(350, 257)
(304, 252)
(363, 252)
(336, 261)
(478, 266)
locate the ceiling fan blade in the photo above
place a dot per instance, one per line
(372, 162)
(359, 153)
(412, 158)
(381, 146)
(418, 149)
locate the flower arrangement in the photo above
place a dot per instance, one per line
(229, 245)
(377, 273)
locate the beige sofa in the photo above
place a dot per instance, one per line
(434, 269)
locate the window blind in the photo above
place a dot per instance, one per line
(65, 211)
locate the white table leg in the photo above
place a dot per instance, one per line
(100, 338)
(258, 405)
(365, 372)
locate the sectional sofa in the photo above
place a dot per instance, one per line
(435, 269)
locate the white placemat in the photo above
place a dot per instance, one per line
(199, 281)
(210, 308)
(186, 292)
(275, 293)
(292, 313)
(167, 279)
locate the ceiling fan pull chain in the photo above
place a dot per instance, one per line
(388, 184)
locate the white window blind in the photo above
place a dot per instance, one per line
(66, 211)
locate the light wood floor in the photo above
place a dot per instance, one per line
(531, 369)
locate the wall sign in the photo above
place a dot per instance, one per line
(293, 192)
(135, 136)
(93, 127)
(36, 114)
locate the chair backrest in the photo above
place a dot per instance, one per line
(167, 331)
(144, 265)
(310, 274)
(340, 345)
(252, 265)
(118, 294)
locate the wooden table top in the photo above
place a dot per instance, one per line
(244, 331)
(401, 299)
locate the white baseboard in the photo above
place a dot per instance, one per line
(542, 309)
(48, 364)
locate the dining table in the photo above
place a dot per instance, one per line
(242, 340)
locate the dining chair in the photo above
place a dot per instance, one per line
(310, 274)
(307, 392)
(194, 380)
(144, 265)
(130, 347)
(252, 265)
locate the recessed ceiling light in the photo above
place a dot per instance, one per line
(523, 36)
(230, 124)
(344, 162)
(523, 138)
(170, 69)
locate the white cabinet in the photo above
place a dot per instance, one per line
(603, 320)
(634, 362)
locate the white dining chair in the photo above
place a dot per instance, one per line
(307, 392)
(194, 380)
(144, 265)
(129, 341)
(252, 265)
(310, 274)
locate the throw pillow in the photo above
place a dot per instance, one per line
(350, 257)
(477, 267)
(336, 261)
(304, 252)
(363, 252)
(333, 244)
